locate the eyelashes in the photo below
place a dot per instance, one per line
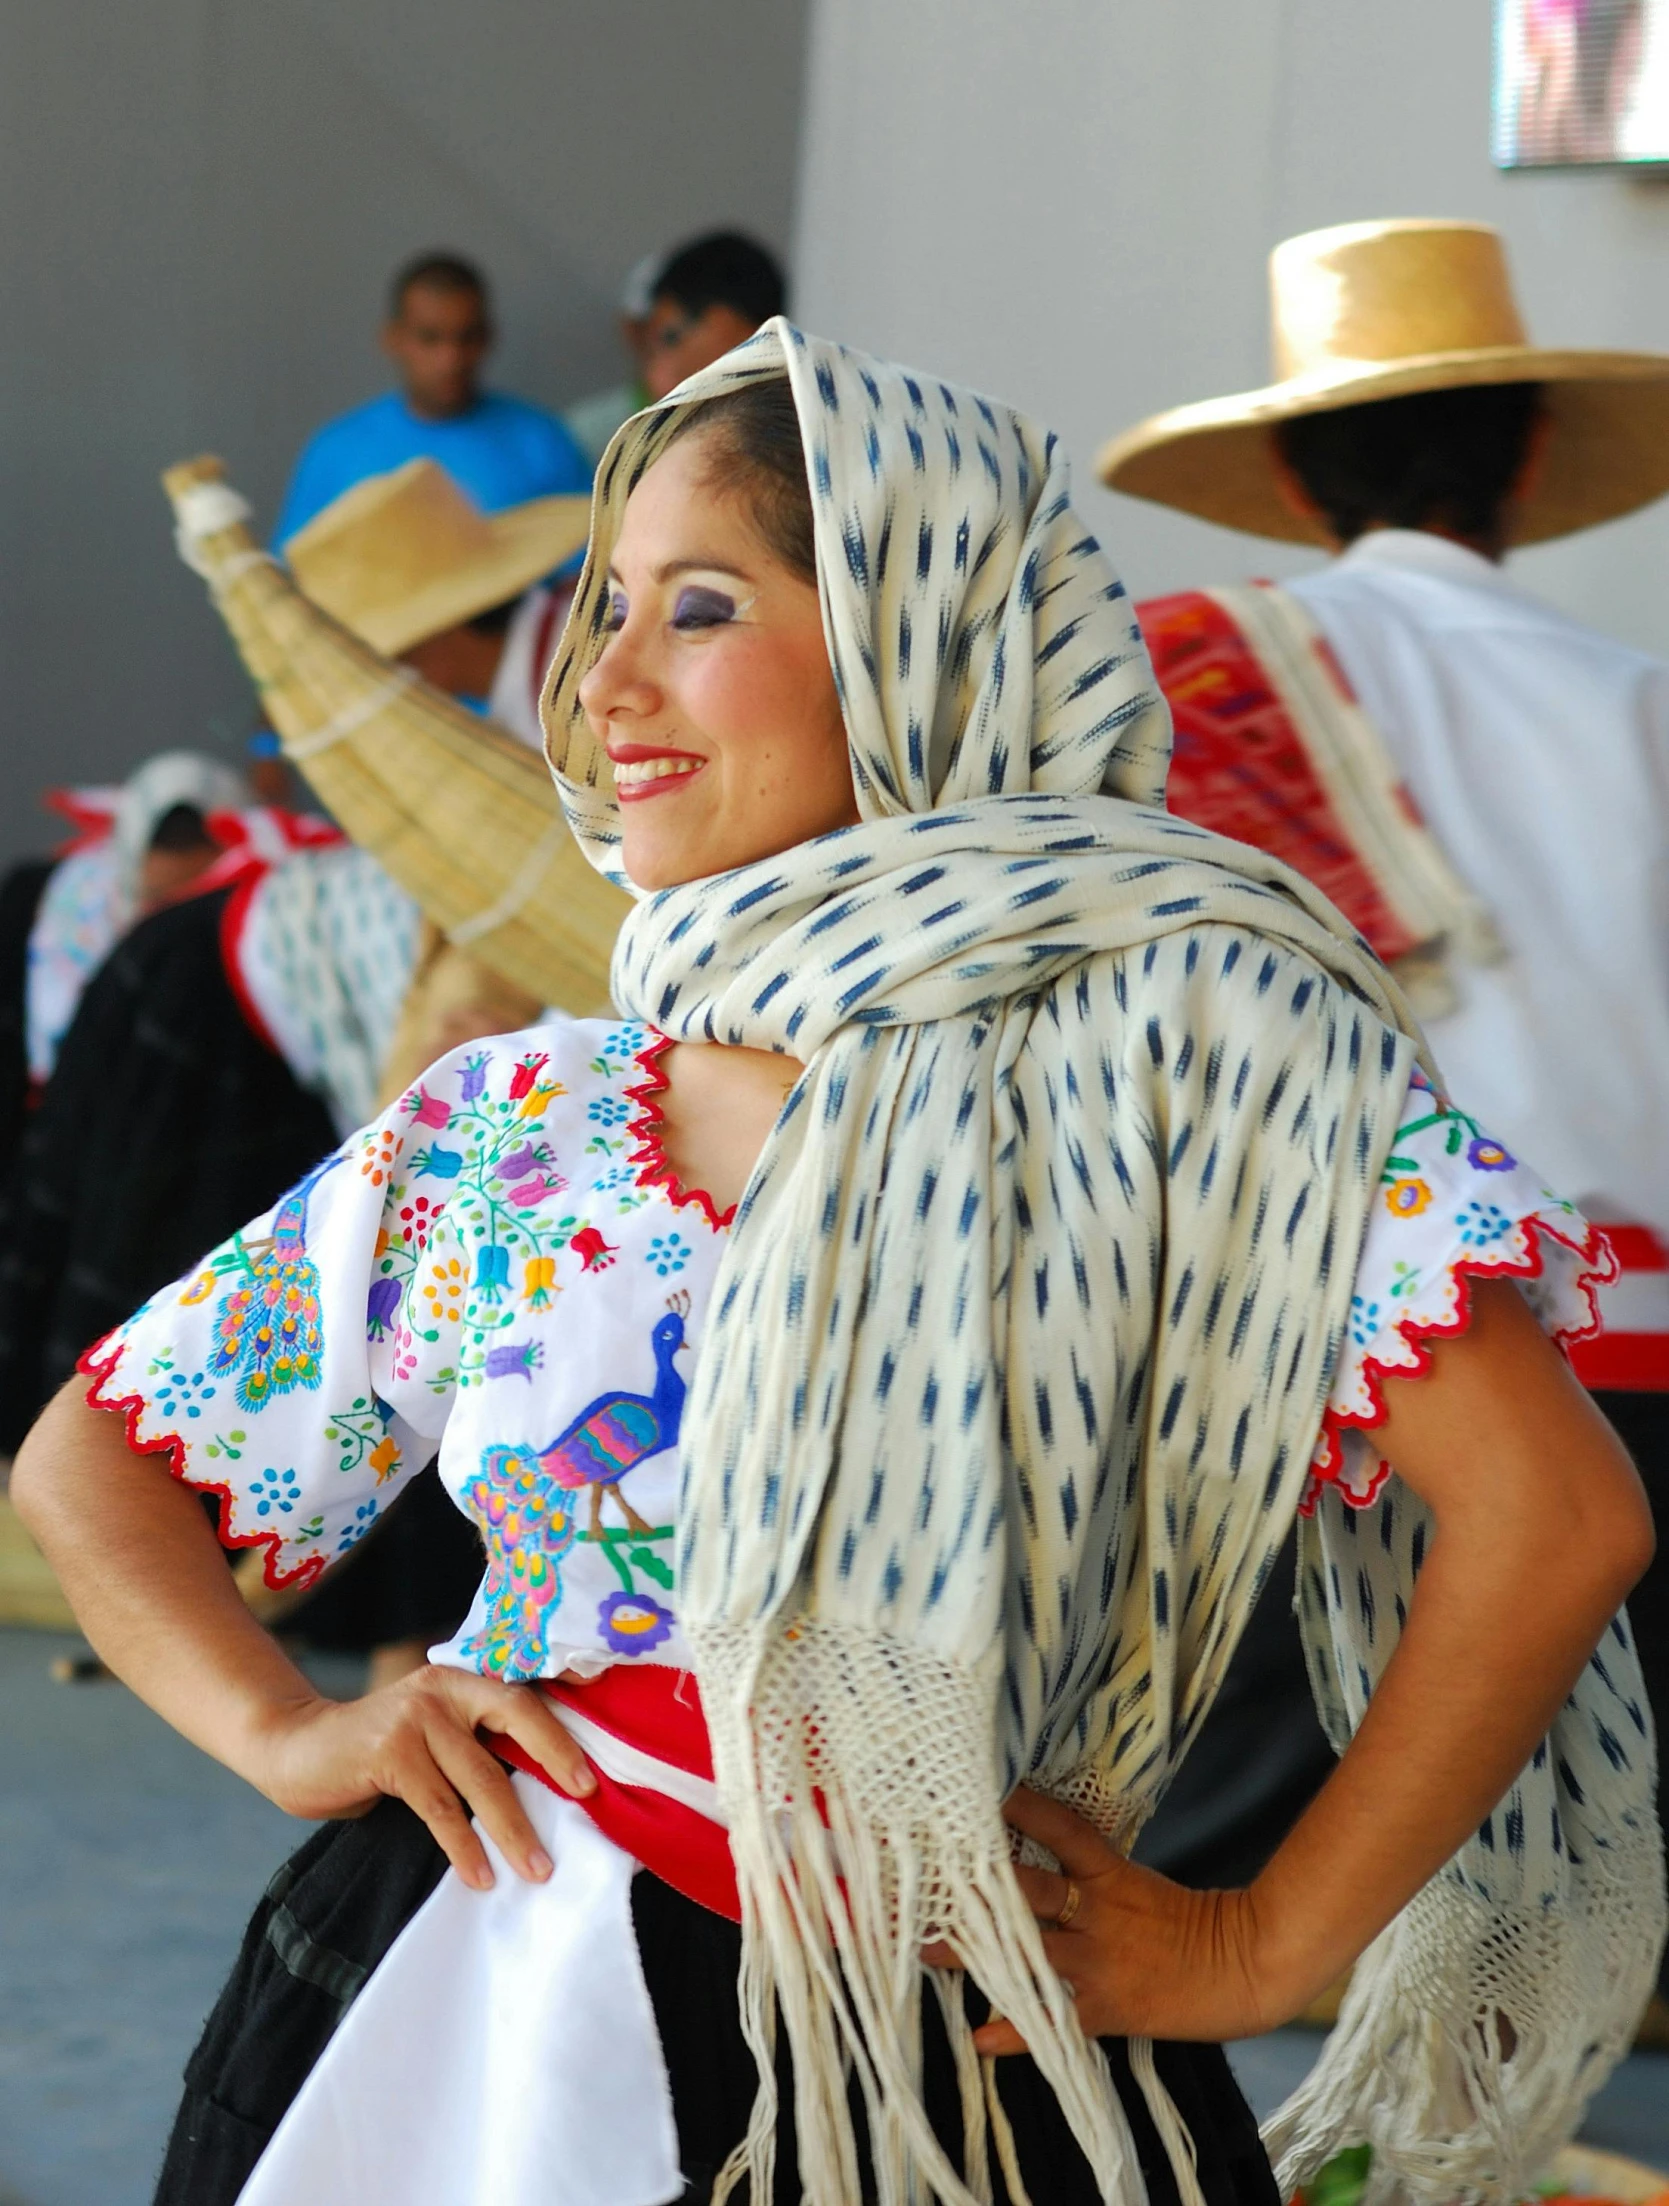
(696, 608)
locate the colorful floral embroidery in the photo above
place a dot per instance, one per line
(1485, 1155)
(594, 1253)
(1433, 1234)
(1480, 1223)
(667, 1253)
(631, 1624)
(515, 1359)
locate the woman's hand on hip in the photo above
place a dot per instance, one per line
(416, 1741)
(1144, 1957)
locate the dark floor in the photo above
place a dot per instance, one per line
(128, 1862)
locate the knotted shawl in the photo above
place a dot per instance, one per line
(1020, 1345)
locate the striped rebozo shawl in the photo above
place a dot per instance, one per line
(1022, 1338)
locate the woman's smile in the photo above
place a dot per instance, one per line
(641, 771)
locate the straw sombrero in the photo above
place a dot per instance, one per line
(462, 815)
(402, 556)
(1375, 310)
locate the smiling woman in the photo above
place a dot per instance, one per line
(714, 698)
(1040, 1258)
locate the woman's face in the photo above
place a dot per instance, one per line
(713, 696)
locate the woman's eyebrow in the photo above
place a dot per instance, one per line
(704, 566)
(687, 566)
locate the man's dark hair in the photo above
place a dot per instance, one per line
(495, 619)
(755, 449)
(1445, 459)
(181, 827)
(724, 269)
(435, 272)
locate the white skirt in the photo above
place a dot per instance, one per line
(504, 2052)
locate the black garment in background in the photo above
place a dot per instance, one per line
(1260, 1759)
(413, 1576)
(167, 1123)
(333, 1912)
(20, 899)
(1641, 1422)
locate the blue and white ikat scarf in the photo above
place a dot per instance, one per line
(1026, 1323)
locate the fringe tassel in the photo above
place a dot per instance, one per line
(1173, 2130)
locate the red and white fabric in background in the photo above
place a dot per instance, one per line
(529, 647)
(1454, 702)
(1630, 1352)
(92, 897)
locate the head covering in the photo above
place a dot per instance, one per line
(403, 556)
(92, 897)
(1023, 1332)
(1377, 310)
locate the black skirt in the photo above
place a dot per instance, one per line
(333, 1911)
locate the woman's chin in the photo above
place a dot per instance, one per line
(652, 861)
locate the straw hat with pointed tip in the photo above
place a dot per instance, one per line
(462, 815)
(1375, 310)
(402, 556)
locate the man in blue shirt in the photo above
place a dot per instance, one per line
(438, 333)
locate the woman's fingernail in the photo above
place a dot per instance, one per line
(540, 1863)
(481, 1876)
(582, 1782)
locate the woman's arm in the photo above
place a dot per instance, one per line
(1542, 1529)
(145, 1576)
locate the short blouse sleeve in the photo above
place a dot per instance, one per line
(1453, 1205)
(307, 1367)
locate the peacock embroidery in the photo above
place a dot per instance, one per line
(524, 1501)
(267, 1330)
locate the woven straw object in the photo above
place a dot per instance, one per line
(464, 818)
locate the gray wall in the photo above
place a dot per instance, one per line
(200, 203)
(1069, 202)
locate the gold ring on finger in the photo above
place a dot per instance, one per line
(1070, 1905)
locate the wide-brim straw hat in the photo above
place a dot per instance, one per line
(1377, 310)
(463, 816)
(403, 556)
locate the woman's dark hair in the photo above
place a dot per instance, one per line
(754, 450)
(1444, 458)
(181, 827)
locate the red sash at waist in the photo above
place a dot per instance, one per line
(657, 1712)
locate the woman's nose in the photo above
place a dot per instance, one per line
(617, 683)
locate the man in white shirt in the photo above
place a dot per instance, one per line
(1416, 433)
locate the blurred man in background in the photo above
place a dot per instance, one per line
(503, 450)
(1480, 782)
(709, 295)
(594, 419)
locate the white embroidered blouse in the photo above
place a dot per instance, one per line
(503, 1267)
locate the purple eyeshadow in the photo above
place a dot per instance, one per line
(702, 608)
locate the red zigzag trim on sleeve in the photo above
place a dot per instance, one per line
(98, 1364)
(1599, 1265)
